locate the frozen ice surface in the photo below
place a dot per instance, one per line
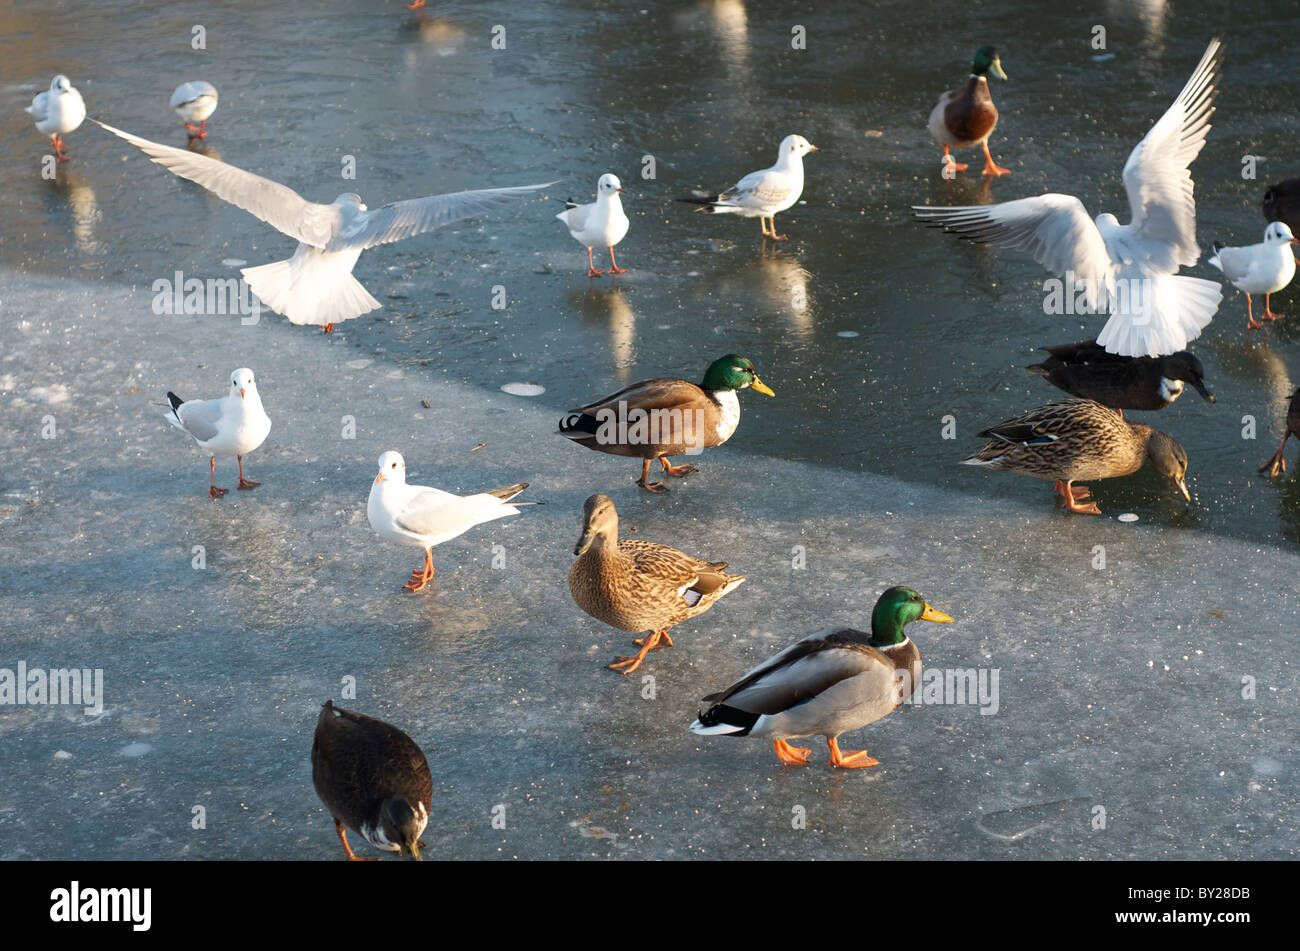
(1120, 688)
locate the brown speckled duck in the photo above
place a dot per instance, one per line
(636, 585)
(1079, 439)
(964, 118)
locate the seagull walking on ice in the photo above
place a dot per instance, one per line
(1132, 267)
(234, 425)
(57, 112)
(316, 285)
(1263, 268)
(601, 224)
(424, 517)
(194, 102)
(762, 194)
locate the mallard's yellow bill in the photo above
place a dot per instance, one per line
(761, 387)
(937, 616)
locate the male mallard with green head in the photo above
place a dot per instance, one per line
(636, 585)
(1079, 439)
(655, 419)
(373, 779)
(829, 683)
(964, 118)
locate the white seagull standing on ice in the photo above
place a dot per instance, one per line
(762, 194)
(194, 102)
(316, 285)
(1133, 267)
(1263, 268)
(234, 425)
(423, 517)
(599, 225)
(57, 112)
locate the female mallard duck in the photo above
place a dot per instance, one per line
(1276, 464)
(964, 118)
(1079, 439)
(1086, 370)
(655, 419)
(373, 779)
(829, 683)
(638, 585)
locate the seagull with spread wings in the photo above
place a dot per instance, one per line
(1132, 269)
(316, 285)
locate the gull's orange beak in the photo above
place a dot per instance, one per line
(241, 392)
(379, 478)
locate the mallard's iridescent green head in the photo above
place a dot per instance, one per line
(1169, 458)
(987, 61)
(734, 372)
(896, 608)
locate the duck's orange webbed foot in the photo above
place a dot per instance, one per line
(991, 167)
(791, 755)
(679, 472)
(851, 759)
(625, 665)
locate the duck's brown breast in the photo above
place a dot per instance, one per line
(971, 116)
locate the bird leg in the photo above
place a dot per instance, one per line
(664, 640)
(343, 837)
(199, 131)
(415, 4)
(1074, 496)
(772, 234)
(791, 755)
(679, 472)
(57, 141)
(625, 665)
(213, 491)
(1251, 322)
(853, 759)
(613, 265)
(645, 482)
(1276, 464)
(991, 167)
(949, 160)
(421, 576)
(592, 270)
(244, 483)
(329, 328)
(1268, 311)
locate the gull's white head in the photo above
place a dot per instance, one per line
(60, 83)
(796, 146)
(391, 467)
(608, 185)
(353, 199)
(1278, 233)
(241, 382)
